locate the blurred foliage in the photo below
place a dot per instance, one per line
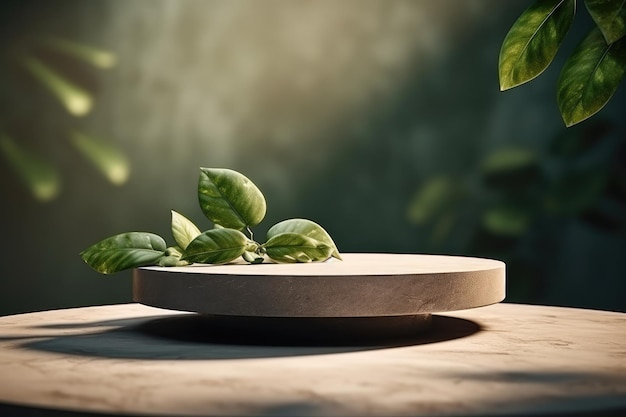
(520, 197)
(76, 100)
(109, 160)
(37, 174)
(45, 59)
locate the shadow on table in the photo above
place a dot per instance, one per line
(524, 408)
(195, 336)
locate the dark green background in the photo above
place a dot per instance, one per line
(339, 111)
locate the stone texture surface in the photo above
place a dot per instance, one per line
(362, 285)
(504, 359)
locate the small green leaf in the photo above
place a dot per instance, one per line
(174, 251)
(590, 77)
(610, 16)
(294, 247)
(252, 257)
(533, 41)
(171, 261)
(306, 228)
(183, 230)
(172, 257)
(216, 246)
(230, 199)
(124, 251)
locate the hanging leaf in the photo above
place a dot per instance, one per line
(216, 246)
(590, 77)
(109, 160)
(533, 41)
(124, 251)
(183, 230)
(97, 57)
(76, 101)
(306, 228)
(39, 176)
(610, 16)
(230, 199)
(294, 247)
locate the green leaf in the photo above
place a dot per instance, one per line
(183, 230)
(230, 199)
(216, 246)
(306, 228)
(590, 77)
(252, 257)
(294, 247)
(172, 257)
(610, 16)
(533, 41)
(124, 251)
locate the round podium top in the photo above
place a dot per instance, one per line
(361, 285)
(354, 265)
(503, 359)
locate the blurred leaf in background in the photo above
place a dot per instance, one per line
(78, 101)
(524, 200)
(37, 174)
(435, 203)
(105, 156)
(97, 57)
(510, 169)
(508, 219)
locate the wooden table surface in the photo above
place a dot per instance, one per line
(504, 359)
